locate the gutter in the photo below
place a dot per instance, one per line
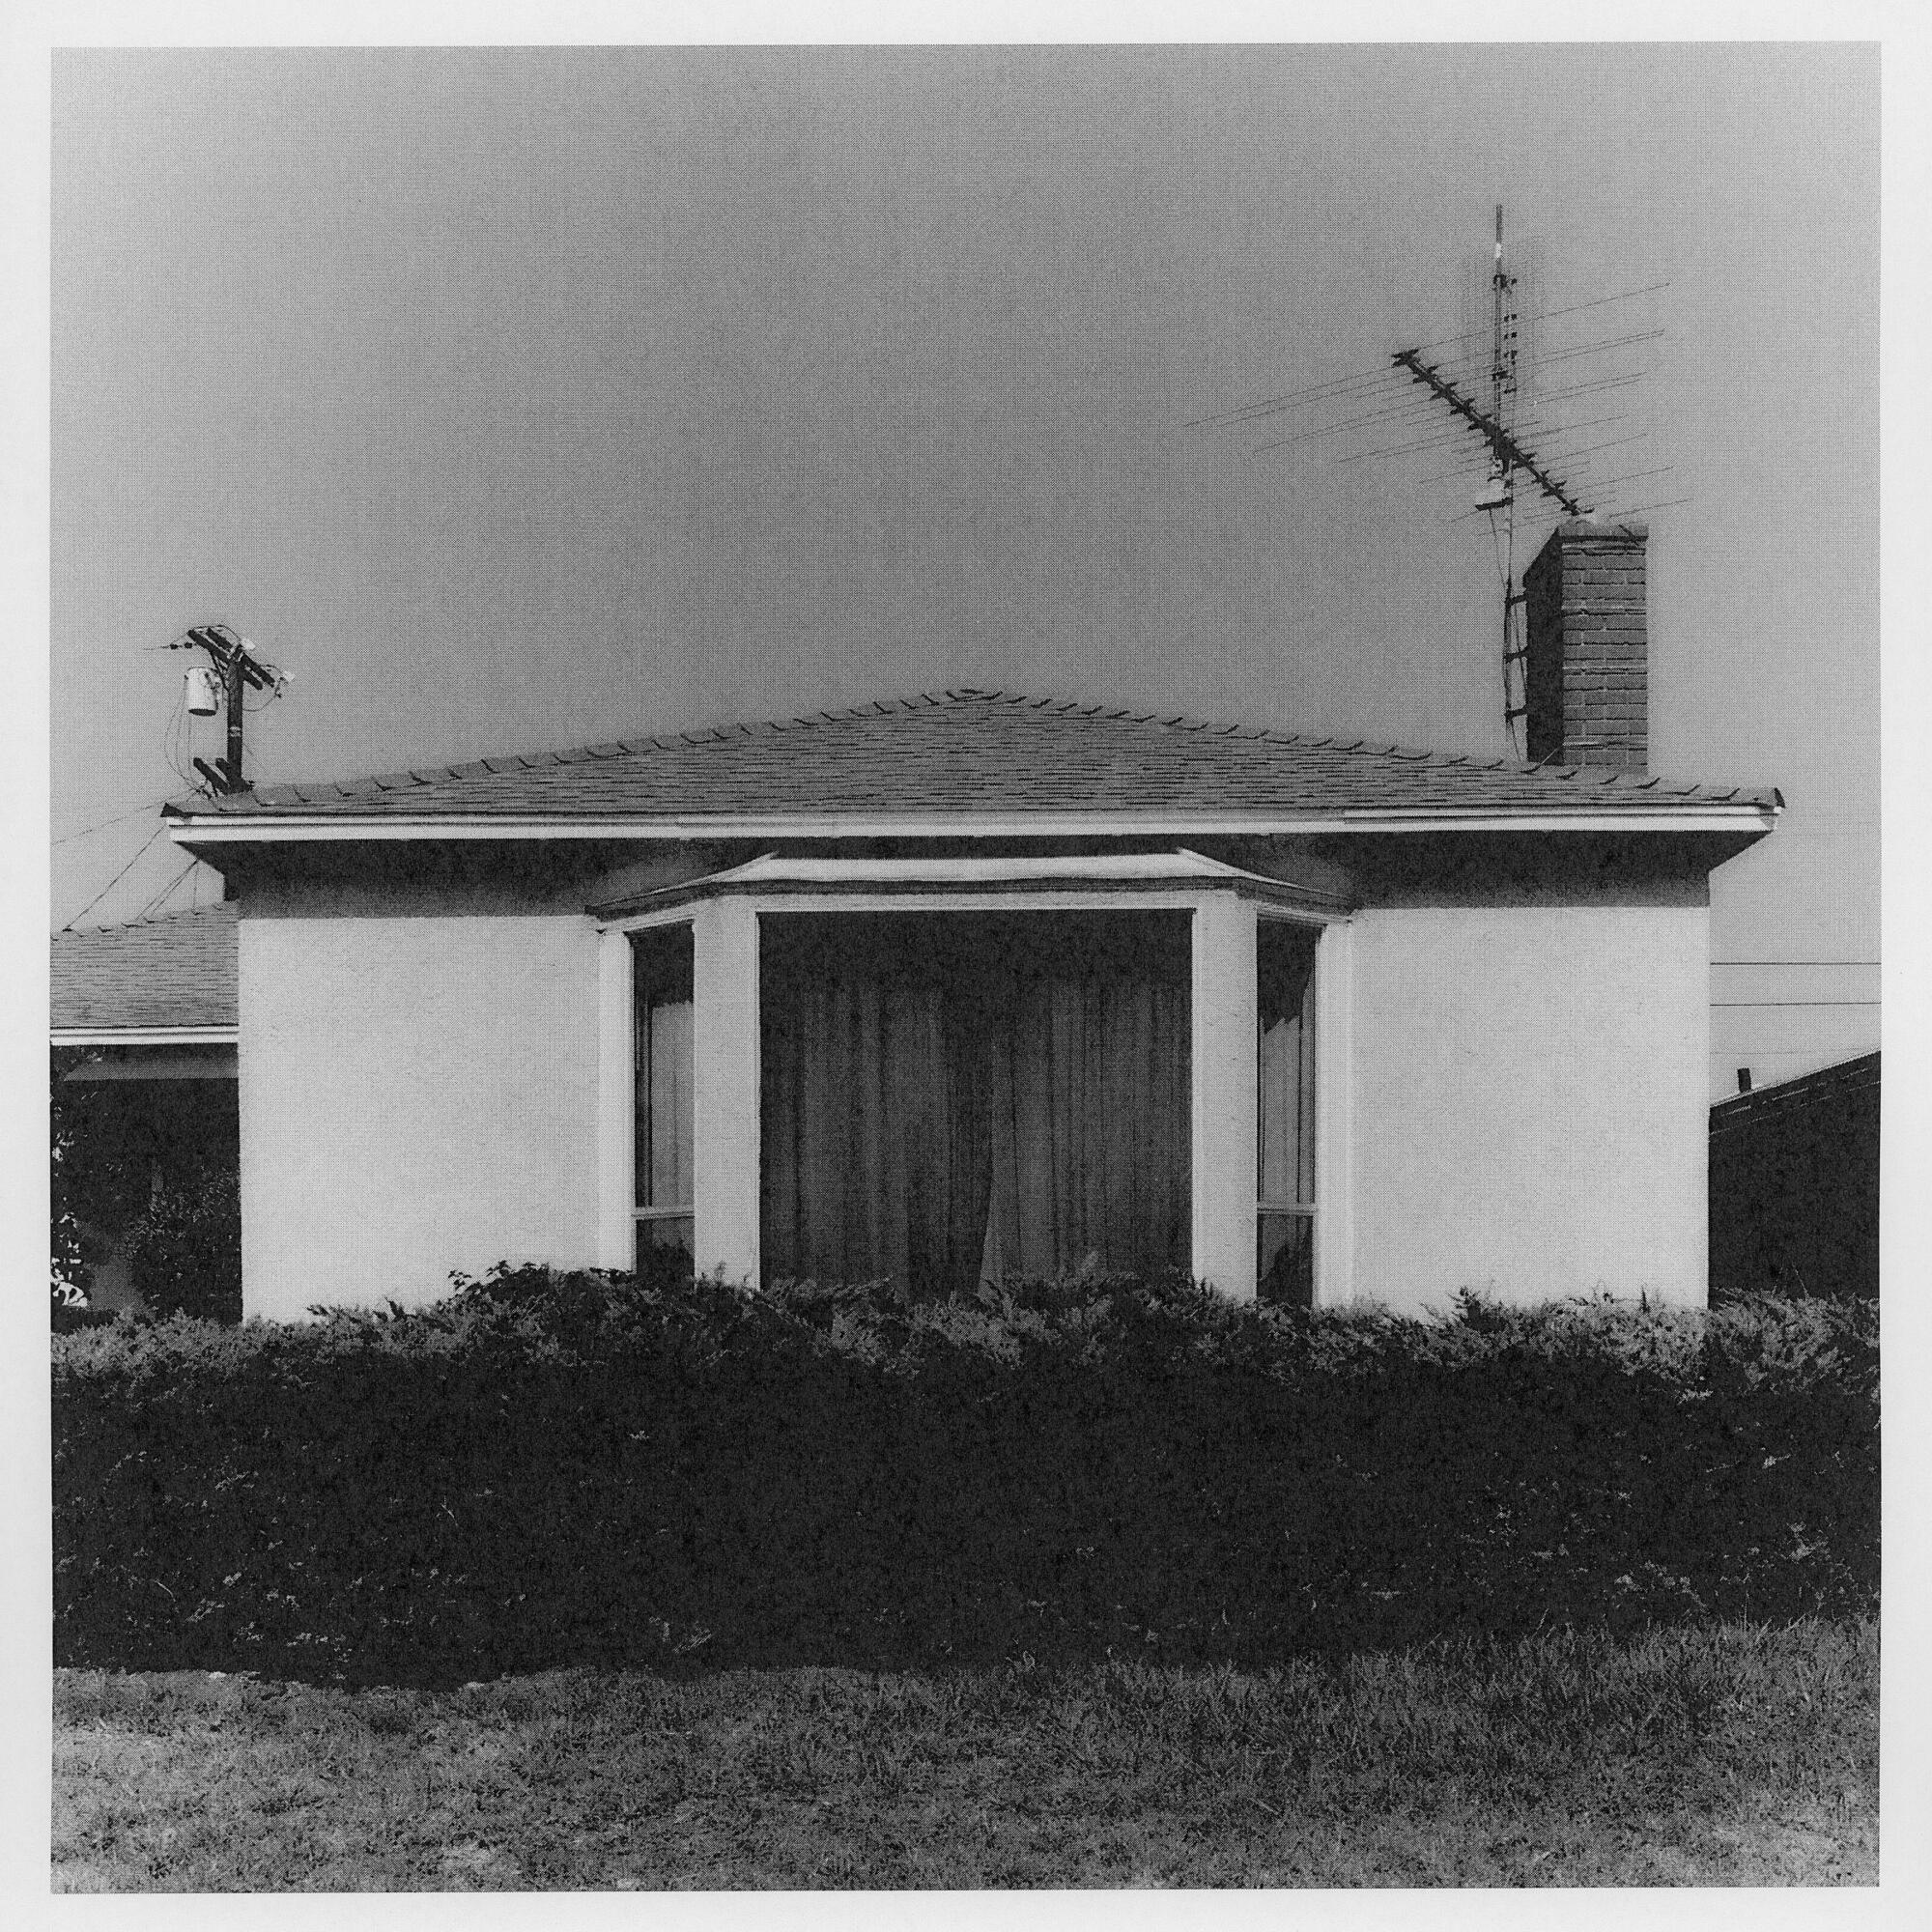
(331, 828)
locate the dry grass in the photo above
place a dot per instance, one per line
(1698, 1756)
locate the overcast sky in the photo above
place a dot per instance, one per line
(515, 400)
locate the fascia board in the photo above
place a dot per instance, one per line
(143, 1035)
(1004, 880)
(328, 829)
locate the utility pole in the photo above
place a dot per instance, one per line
(228, 655)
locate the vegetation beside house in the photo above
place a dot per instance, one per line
(548, 1470)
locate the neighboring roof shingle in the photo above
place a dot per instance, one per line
(970, 751)
(1827, 1086)
(176, 971)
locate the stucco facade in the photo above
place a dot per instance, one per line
(419, 1093)
(1510, 1084)
(1526, 1098)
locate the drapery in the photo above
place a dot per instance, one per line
(952, 1097)
(665, 1126)
(1285, 1228)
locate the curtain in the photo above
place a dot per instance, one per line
(663, 1111)
(952, 1097)
(1285, 959)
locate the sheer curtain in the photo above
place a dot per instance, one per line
(953, 1096)
(662, 961)
(1285, 961)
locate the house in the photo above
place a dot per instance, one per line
(143, 1029)
(978, 983)
(1794, 1184)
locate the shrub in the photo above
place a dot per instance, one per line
(548, 1467)
(184, 1254)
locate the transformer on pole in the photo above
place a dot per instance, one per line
(233, 670)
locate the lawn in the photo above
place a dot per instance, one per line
(1721, 1754)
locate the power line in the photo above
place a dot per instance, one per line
(155, 905)
(116, 879)
(1796, 1003)
(154, 804)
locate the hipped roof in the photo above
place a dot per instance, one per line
(177, 971)
(968, 751)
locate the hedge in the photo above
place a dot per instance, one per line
(547, 1468)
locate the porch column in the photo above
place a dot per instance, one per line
(1225, 1052)
(724, 1087)
(616, 1103)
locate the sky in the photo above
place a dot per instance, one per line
(520, 399)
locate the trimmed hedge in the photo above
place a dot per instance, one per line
(548, 1469)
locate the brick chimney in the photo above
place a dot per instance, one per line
(1587, 646)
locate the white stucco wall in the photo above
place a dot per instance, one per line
(1528, 1105)
(418, 1094)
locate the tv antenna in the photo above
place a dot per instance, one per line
(1508, 457)
(1535, 403)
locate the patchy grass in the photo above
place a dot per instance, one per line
(1725, 1754)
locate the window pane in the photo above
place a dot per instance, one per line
(669, 1178)
(1285, 1248)
(1286, 961)
(662, 964)
(672, 1231)
(951, 1095)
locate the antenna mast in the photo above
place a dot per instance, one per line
(1507, 456)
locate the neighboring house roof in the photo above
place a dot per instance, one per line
(971, 754)
(159, 980)
(1828, 1087)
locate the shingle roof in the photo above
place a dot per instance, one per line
(970, 751)
(175, 970)
(1827, 1086)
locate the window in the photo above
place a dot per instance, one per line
(1286, 1099)
(955, 1097)
(662, 961)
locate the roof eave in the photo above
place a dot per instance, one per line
(1752, 816)
(143, 1035)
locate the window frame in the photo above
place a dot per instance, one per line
(643, 1123)
(1330, 1004)
(1180, 881)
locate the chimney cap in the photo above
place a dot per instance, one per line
(1632, 528)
